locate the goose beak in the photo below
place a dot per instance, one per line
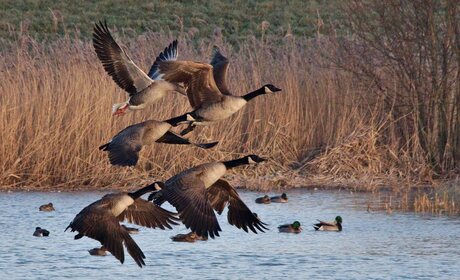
(276, 89)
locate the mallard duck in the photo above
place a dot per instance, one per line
(189, 237)
(98, 251)
(206, 90)
(263, 200)
(291, 228)
(40, 232)
(197, 191)
(279, 199)
(101, 221)
(46, 207)
(329, 226)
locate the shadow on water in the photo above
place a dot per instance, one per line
(372, 245)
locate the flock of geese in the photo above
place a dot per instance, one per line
(196, 192)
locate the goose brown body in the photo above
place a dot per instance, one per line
(198, 191)
(142, 89)
(101, 221)
(124, 147)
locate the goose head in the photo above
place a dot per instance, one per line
(269, 88)
(254, 159)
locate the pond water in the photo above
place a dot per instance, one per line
(372, 245)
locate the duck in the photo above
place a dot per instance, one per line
(46, 207)
(131, 230)
(206, 89)
(263, 200)
(336, 225)
(198, 191)
(101, 221)
(141, 88)
(98, 251)
(295, 227)
(40, 232)
(279, 199)
(189, 237)
(124, 148)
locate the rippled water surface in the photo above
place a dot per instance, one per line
(372, 245)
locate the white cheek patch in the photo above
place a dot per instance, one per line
(267, 90)
(190, 118)
(251, 161)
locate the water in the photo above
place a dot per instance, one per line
(372, 245)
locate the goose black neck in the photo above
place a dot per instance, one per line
(253, 94)
(236, 162)
(144, 190)
(176, 120)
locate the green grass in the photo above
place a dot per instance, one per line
(48, 19)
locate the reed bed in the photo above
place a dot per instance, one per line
(56, 101)
(55, 111)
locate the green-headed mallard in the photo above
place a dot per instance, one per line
(329, 226)
(291, 228)
(263, 200)
(279, 199)
(46, 207)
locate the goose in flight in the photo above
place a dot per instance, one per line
(206, 89)
(101, 221)
(142, 89)
(198, 191)
(124, 147)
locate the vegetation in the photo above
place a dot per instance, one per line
(377, 108)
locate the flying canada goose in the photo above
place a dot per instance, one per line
(101, 221)
(46, 207)
(189, 237)
(206, 90)
(197, 191)
(263, 200)
(279, 199)
(98, 251)
(142, 89)
(124, 147)
(336, 225)
(40, 232)
(291, 228)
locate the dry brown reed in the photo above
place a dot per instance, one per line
(55, 111)
(56, 98)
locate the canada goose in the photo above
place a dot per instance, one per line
(124, 147)
(291, 228)
(206, 90)
(336, 225)
(40, 232)
(131, 230)
(279, 199)
(189, 237)
(101, 221)
(197, 191)
(263, 200)
(98, 251)
(46, 207)
(142, 89)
